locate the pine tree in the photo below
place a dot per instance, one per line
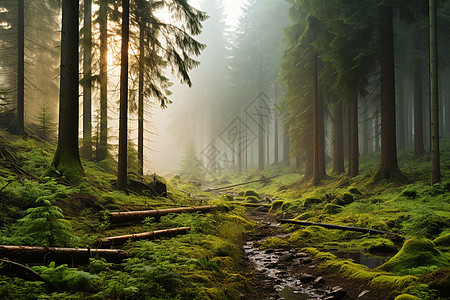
(66, 161)
(191, 165)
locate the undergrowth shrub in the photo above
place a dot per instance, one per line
(69, 279)
(45, 224)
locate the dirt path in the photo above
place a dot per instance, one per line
(290, 274)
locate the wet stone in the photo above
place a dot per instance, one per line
(338, 292)
(306, 278)
(301, 254)
(286, 257)
(363, 293)
(319, 280)
(305, 260)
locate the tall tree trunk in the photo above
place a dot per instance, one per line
(20, 118)
(261, 144)
(316, 130)
(447, 113)
(365, 133)
(141, 101)
(338, 139)
(275, 139)
(286, 150)
(123, 117)
(353, 169)
(349, 138)
(67, 158)
(377, 131)
(102, 145)
(276, 130)
(86, 151)
(401, 115)
(419, 148)
(434, 100)
(388, 162)
(322, 163)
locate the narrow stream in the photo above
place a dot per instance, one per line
(282, 268)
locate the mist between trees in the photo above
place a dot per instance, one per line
(292, 83)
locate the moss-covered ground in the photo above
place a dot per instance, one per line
(208, 263)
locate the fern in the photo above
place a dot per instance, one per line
(69, 279)
(46, 225)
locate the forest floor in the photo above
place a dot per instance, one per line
(238, 251)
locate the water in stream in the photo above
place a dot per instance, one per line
(277, 265)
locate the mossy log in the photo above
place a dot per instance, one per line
(122, 239)
(333, 226)
(9, 267)
(70, 256)
(133, 216)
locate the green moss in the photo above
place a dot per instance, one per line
(66, 164)
(443, 240)
(354, 191)
(393, 282)
(379, 245)
(306, 215)
(276, 205)
(308, 202)
(406, 297)
(226, 198)
(348, 198)
(438, 280)
(308, 236)
(274, 243)
(416, 256)
(286, 205)
(332, 209)
(252, 193)
(251, 199)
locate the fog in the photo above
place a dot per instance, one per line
(166, 150)
(204, 110)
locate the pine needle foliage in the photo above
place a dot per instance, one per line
(45, 224)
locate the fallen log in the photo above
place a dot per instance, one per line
(70, 256)
(333, 226)
(9, 267)
(239, 184)
(122, 239)
(130, 216)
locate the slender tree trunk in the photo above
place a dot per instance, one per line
(87, 58)
(365, 133)
(377, 131)
(434, 100)
(276, 130)
(141, 102)
(102, 145)
(353, 169)
(123, 117)
(401, 115)
(261, 144)
(67, 158)
(20, 118)
(322, 163)
(447, 113)
(388, 162)
(349, 138)
(316, 130)
(338, 139)
(286, 150)
(275, 139)
(419, 148)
